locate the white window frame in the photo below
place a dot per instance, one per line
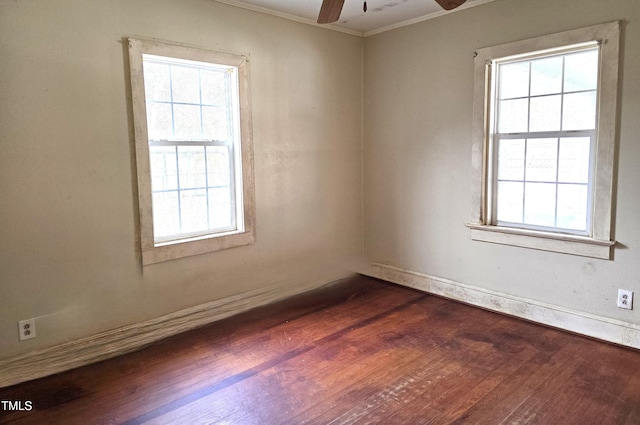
(597, 242)
(155, 251)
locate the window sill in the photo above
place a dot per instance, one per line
(195, 246)
(562, 243)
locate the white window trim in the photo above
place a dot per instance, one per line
(599, 243)
(158, 252)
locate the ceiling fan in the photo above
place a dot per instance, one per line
(330, 10)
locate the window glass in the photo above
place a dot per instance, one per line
(511, 159)
(514, 81)
(573, 160)
(190, 159)
(581, 71)
(546, 76)
(510, 201)
(514, 116)
(531, 168)
(579, 111)
(545, 113)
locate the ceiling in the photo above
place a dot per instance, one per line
(381, 15)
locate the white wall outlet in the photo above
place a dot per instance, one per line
(27, 329)
(625, 299)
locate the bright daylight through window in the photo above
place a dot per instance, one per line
(543, 141)
(191, 120)
(190, 107)
(546, 119)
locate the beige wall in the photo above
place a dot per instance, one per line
(417, 156)
(67, 213)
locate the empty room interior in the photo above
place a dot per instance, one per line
(223, 211)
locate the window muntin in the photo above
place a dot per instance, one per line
(192, 120)
(544, 139)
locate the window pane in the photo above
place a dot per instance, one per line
(579, 111)
(163, 168)
(510, 202)
(192, 167)
(513, 116)
(581, 71)
(541, 160)
(546, 76)
(157, 82)
(187, 122)
(540, 204)
(215, 123)
(545, 113)
(220, 214)
(514, 80)
(185, 84)
(166, 219)
(193, 210)
(511, 159)
(159, 121)
(214, 88)
(574, 161)
(218, 166)
(572, 206)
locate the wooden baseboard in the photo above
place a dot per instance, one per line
(603, 328)
(105, 345)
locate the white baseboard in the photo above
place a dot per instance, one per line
(603, 328)
(105, 345)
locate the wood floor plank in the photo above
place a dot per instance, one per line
(626, 409)
(474, 376)
(432, 370)
(319, 358)
(362, 351)
(421, 349)
(594, 385)
(511, 395)
(524, 344)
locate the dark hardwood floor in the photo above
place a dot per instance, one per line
(362, 351)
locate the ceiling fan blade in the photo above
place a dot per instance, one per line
(450, 4)
(330, 11)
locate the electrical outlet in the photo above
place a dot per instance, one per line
(27, 329)
(625, 299)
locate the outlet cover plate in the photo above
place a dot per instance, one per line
(625, 299)
(27, 329)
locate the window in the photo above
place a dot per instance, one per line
(544, 131)
(193, 149)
